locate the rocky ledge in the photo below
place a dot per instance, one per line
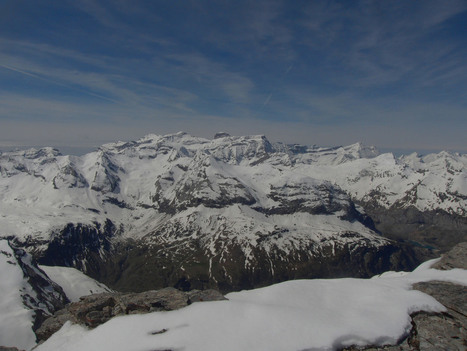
(438, 331)
(93, 310)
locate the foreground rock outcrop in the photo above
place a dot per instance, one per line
(439, 331)
(455, 258)
(93, 310)
(430, 331)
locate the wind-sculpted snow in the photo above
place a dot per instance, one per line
(276, 201)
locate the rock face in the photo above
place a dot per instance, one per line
(456, 258)
(232, 212)
(444, 331)
(93, 310)
(40, 293)
(44, 296)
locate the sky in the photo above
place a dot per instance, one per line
(75, 74)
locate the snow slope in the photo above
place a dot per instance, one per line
(73, 282)
(294, 315)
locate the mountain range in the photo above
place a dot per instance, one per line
(231, 212)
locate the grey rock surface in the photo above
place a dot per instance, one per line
(455, 258)
(93, 310)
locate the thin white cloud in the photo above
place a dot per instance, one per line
(213, 75)
(110, 80)
(379, 43)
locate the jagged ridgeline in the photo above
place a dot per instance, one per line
(232, 212)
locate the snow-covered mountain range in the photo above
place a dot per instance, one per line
(231, 212)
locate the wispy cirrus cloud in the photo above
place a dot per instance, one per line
(375, 43)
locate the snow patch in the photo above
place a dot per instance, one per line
(73, 282)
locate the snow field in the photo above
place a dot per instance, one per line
(73, 282)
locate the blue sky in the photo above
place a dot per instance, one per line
(78, 73)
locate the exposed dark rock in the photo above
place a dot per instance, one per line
(97, 309)
(78, 245)
(69, 177)
(106, 178)
(116, 202)
(452, 296)
(439, 332)
(204, 295)
(324, 198)
(455, 258)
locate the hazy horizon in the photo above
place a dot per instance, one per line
(82, 150)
